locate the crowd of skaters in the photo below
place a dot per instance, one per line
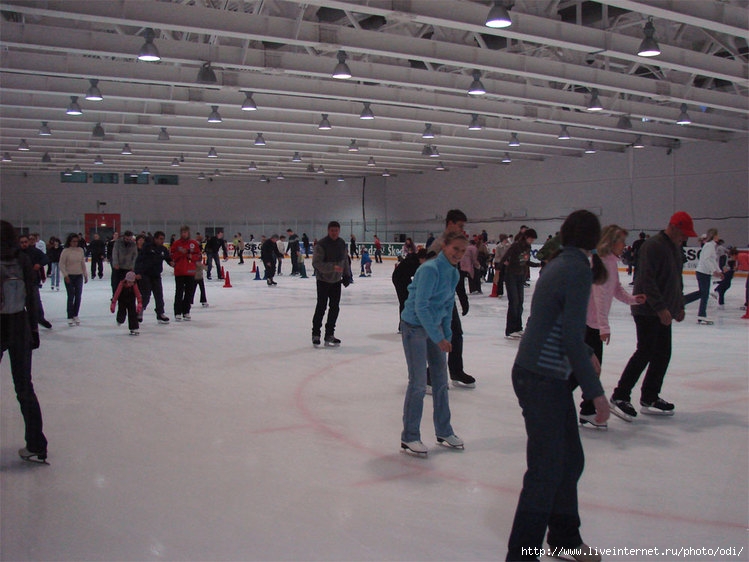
(562, 342)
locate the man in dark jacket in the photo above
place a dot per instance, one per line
(19, 335)
(332, 271)
(212, 247)
(38, 261)
(148, 267)
(659, 278)
(269, 253)
(293, 249)
(97, 249)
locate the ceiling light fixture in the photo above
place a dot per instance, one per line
(6, 157)
(474, 125)
(624, 122)
(214, 116)
(498, 16)
(589, 148)
(683, 118)
(506, 158)
(146, 171)
(340, 178)
(175, 162)
(428, 133)
(514, 142)
(23, 146)
(148, 52)
(201, 176)
(649, 46)
(163, 134)
(427, 150)
(366, 113)
(476, 88)
(44, 130)
(435, 153)
(217, 173)
(324, 123)
(638, 142)
(297, 157)
(320, 169)
(352, 147)
(440, 167)
(249, 104)
(371, 162)
(46, 159)
(386, 174)
(595, 102)
(259, 140)
(68, 172)
(342, 71)
(98, 131)
(98, 161)
(93, 93)
(74, 108)
(212, 153)
(206, 75)
(311, 168)
(264, 178)
(280, 176)
(563, 133)
(252, 167)
(77, 169)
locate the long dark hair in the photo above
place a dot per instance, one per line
(582, 229)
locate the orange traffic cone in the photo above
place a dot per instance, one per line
(495, 290)
(746, 316)
(227, 281)
(222, 271)
(254, 267)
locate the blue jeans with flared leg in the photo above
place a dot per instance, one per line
(555, 462)
(421, 351)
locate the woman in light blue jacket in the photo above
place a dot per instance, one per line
(426, 333)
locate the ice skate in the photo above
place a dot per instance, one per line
(332, 341)
(76, 320)
(589, 421)
(705, 321)
(316, 341)
(161, 319)
(178, 318)
(134, 333)
(415, 448)
(28, 456)
(463, 380)
(623, 409)
(657, 408)
(515, 335)
(452, 441)
(71, 322)
(186, 317)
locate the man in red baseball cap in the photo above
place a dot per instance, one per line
(658, 276)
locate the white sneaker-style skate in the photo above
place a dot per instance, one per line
(452, 441)
(415, 447)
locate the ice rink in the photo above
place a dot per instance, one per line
(231, 438)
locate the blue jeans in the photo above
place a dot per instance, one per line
(555, 462)
(421, 351)
(54, 274)
(212, 258)
(75, 291)
(702, 293)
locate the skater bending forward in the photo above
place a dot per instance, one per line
(426, 334)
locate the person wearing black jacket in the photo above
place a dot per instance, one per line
(212, 247)
(97, 249)
(516, 264)
(19, 335)
(38, 262)
(293, 249)
(148, 267)
(403, 274)
(269, 253)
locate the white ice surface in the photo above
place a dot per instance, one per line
(231, 438)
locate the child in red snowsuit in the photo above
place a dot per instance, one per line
(129, 302)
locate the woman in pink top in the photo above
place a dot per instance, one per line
(609, 250)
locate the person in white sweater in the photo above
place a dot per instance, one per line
(707, 267)
(73, 270)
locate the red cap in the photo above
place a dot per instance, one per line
(683, 222)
